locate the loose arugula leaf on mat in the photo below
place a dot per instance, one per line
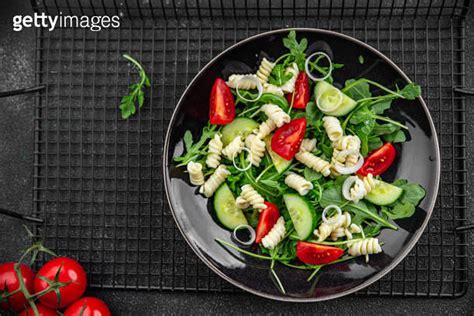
(136, 95)
(361, 59)
(297, 49)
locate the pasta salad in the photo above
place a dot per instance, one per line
(294, 162)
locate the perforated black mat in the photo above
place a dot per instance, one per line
(98, 178)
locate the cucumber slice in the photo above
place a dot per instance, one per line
(239, 127)
(302, 214)
(227, 212)
(325, 93)
(384, 194)
(280, 163)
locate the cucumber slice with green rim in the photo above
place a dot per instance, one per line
(302, 214)
(280, 163)
(384, 194)
(241, 126)
(227, 212)
(327, 94)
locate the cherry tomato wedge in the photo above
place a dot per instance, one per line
(71, 271)
(9, 282)
(266, 221)
(221, 103)
(378, 161)
(311, 253)
(88, 306)
(43, 311)
(287, 139)
(302, 92)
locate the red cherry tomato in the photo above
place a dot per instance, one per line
(287, 139)
(266, 221)
(221, 103)
(311, 253)
(88, 306)
(302, 92)
(71, 271)
(43, 311)
(9, 282)
(378, 161)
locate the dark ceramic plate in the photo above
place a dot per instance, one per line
(418, 161)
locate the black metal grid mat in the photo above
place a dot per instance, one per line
(98, 178)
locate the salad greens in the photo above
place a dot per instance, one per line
(367, 121)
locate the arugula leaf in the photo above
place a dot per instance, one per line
(411, 91)
(380, 106)
(193, 151)
(279, 76)
(135, 96)
(358, 91)
(412, 192)
(375, 143)
(337, 66)
(311, 175)
(364, 210)
(384, 129)
(297, 50)
(400, 210)
(332, 195)
(361, 59)
(395, 137)
(312, 112)
(364, 130)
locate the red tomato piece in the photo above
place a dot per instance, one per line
(9, 282)
(378, 161)
(302, 92)
(266, 221)
(88, 306)
(221, 103)
(71, 271)
(43, 311)
(287, 139)
(311, 253)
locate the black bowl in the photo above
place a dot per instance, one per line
(418, 160)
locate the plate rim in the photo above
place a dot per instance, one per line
(416, 236)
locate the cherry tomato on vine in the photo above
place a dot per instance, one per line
(302, 92)
(221, 103)
(266, 221)
(378, 161)
(287, 139)
(311, 253)
(88, 306)
(9, 282)
(43, 311)
(71, 271)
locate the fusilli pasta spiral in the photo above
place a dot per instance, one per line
(265, 128)
(214, 152)
(234, 148)
(275, 235)
(240, 80)
(242, 203)
(298, 183)
(196, 176)
(214, 181)
(333, 128)
(327, 228)
(253, 197)
(366, 246)
(289, 86)
(272, 89)
(257, 149)
(308, 144)
(314, 162)
(275, 113)
(359, 191)
(264, 70)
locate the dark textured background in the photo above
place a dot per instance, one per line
(17, 51)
